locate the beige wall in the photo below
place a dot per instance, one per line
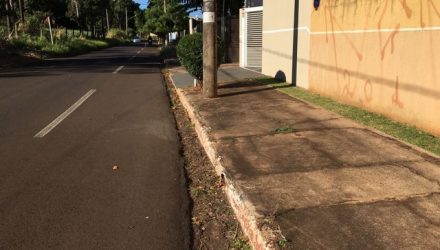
(277, 37)
(302, 79)
(372, 54)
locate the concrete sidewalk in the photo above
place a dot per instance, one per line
(330, 183)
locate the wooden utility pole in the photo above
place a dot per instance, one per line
(209, 49)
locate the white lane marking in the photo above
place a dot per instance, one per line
(64, 115)
(118, 69)
(138, 52)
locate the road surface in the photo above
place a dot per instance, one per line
(89, 155)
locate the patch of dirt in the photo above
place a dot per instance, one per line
(12, 59)
(214, 225)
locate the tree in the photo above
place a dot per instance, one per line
(139, 22)
(231, 7)
(160, 22)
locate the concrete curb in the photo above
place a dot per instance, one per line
(243, 209)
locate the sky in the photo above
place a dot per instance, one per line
(144, 4)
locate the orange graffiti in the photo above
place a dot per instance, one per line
(435, 8)
(353, 47)
(347, 87)
(422, 23)
(390, 40)
(408, 11)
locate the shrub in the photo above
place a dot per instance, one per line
(59, 34)
(168, 52)
(116, 34)
(190, 54)
(3, 32)
(3, 36)
(31, 26)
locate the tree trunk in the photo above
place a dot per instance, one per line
(8, 16)
(21, 8)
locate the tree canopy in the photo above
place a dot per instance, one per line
(82, 14)
(162, 19)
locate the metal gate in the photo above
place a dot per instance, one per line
(253, 38)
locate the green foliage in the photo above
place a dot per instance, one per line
(116, 34)
(64, 47)
(240, 244)
(161, 23)
(32, 25)
(231, 6)
(3, 33)
(168, 52)
(190, 54)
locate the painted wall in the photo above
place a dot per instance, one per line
(382, 55)
(278, 38)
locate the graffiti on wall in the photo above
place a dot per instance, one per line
(335, 11)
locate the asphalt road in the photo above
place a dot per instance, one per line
(89, 155)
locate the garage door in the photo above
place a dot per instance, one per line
(254, 39)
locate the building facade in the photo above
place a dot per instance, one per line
(379, 55)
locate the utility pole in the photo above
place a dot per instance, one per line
(209, 49)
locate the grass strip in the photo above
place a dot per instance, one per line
(63, 47)
(399, 130)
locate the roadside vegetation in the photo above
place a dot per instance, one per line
(64, 46)
(396, 129)
(190, 54)
(214, 225)
(37, 28)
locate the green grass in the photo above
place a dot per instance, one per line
(399, 130)
(61, 47)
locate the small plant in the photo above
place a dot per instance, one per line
(240, 244)
(190, 54)
(282, 243)
(284, 130)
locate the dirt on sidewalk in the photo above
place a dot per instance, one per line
(213, 221)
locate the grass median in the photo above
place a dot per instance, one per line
(396, 129)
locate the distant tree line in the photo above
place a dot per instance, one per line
(91, 15)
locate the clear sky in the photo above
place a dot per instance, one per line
(144, 4)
